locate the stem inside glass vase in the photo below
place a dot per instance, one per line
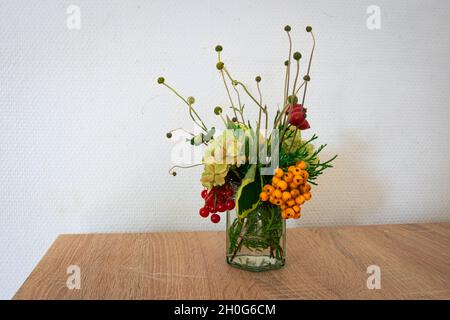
(257, 241)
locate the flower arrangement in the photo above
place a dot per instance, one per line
(260, 176)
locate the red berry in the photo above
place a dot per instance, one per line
(229, 193)
(230, 204)
(212, 209)
(221, 207)
(204, 212)
(204, 193)
(209, 200)
(215, 218)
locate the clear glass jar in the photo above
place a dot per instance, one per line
(256, 242)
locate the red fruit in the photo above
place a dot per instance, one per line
(204, 193)
(296, 107)
(230, 204)
(204, 212)
(221, 192)
(229, 193)
(212, 209)
(215, 218)
(304, 125)
(209, 200)
(296, 118)
(221, 207)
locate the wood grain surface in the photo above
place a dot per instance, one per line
(322, 263)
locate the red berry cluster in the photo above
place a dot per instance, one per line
(218, 199)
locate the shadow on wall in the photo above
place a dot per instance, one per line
(349, 193)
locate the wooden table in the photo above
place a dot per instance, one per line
(322, 263)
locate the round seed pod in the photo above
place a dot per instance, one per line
(191, 100)
(218, 110)
(220, 65)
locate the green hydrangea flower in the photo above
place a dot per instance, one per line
(228, 148)
(214, 175)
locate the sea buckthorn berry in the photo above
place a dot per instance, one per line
(300, 200)
(298, 179)
(293, 185)
(275, 181)
(286, 196)
(296, 208)
(290, 203)
(297, 215)
(283, 214)
(305, 175)
(278, 202)
(307, 196)
(282, 185)
(272, 199)
(290, 213)
(264, 196)
(288, 177)
(291, 168)
(279, 173)
(277, 194)
(295, 193)
(283, 206)
(297, 171)
(268, 189)
(305, 188)
(301, 165)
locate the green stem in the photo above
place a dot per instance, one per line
(228, 93)
(191, 109)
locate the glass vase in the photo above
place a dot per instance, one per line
(256, 242)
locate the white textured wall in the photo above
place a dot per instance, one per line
(82, 123)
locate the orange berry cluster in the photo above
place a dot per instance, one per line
(289, 190)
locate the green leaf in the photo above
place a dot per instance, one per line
(247, 196)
